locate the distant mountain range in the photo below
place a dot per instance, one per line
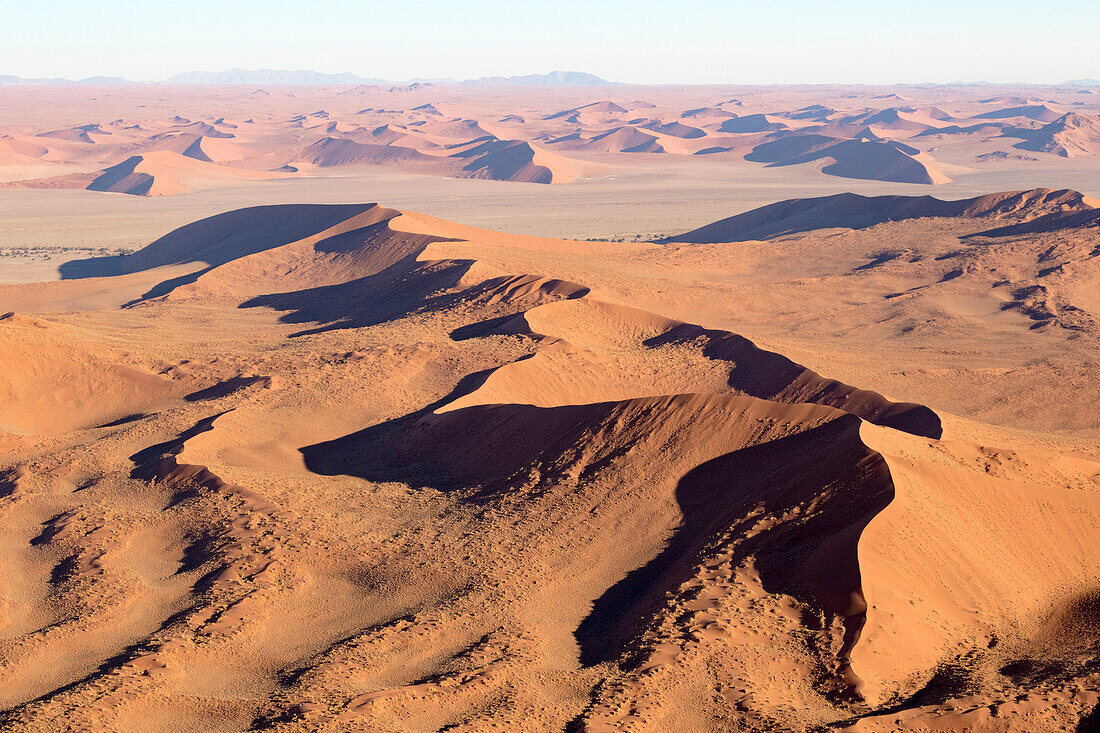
(100, 80)
(306, 77)
(553, 79)
(269, 76)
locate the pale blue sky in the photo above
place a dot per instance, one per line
(673, 41)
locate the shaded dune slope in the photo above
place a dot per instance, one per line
(165, 172)
(871, 159)
(852, 211)
(740, 454)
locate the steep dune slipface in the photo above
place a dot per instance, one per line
(885, 161)
(333, 152)
(410, 489)
(594, 113)
(223, 238)
(866, 155)
(753, 123)
(626, 139)
(874, 160)
(607, 339)
(907, 120)
(164, 172)
(215, 149)
(1040, 112)
(979, 549)
(358, 247)
(790, 147)
(677, 129)
(853, 211)
(1070, 135)
(515, 160)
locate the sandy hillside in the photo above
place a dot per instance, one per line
(831, 464)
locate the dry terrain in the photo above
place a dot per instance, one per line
(320, 411)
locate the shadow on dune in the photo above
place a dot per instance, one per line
(480, 449)
(149, 461)
(403, 288)
(772, 376)
(852, 211)
(1050, 223)
(225, 388)
(220, 239)
(817, 491)
(824, 482)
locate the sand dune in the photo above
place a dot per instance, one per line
(13, 148)
(501, 160)
(458, 129)
(330, 152)
(895, 119)
(224, 238)
(677, 129)
(829, 464)
(515, 160)
(706, 113)
(867, 158)
(54, 381)
(159, 172)
(731, 518)
(196, 146)
(79, 134)
(402, 136)
(258, 133)
(593, 113)
(551, 378)
(922, 480)
(625, 139)
(753, 123)
(852, 211)
(791, 147)
(1040, 112)
(815, 112)
(1070, 135)
(162, 173)
(880, 161)
(20, 159)
(978, 129)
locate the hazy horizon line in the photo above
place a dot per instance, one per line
(442, 80)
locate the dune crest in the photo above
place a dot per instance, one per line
(858, 212)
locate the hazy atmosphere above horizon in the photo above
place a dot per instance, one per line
(639, 41)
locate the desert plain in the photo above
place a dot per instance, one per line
(426, 407)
